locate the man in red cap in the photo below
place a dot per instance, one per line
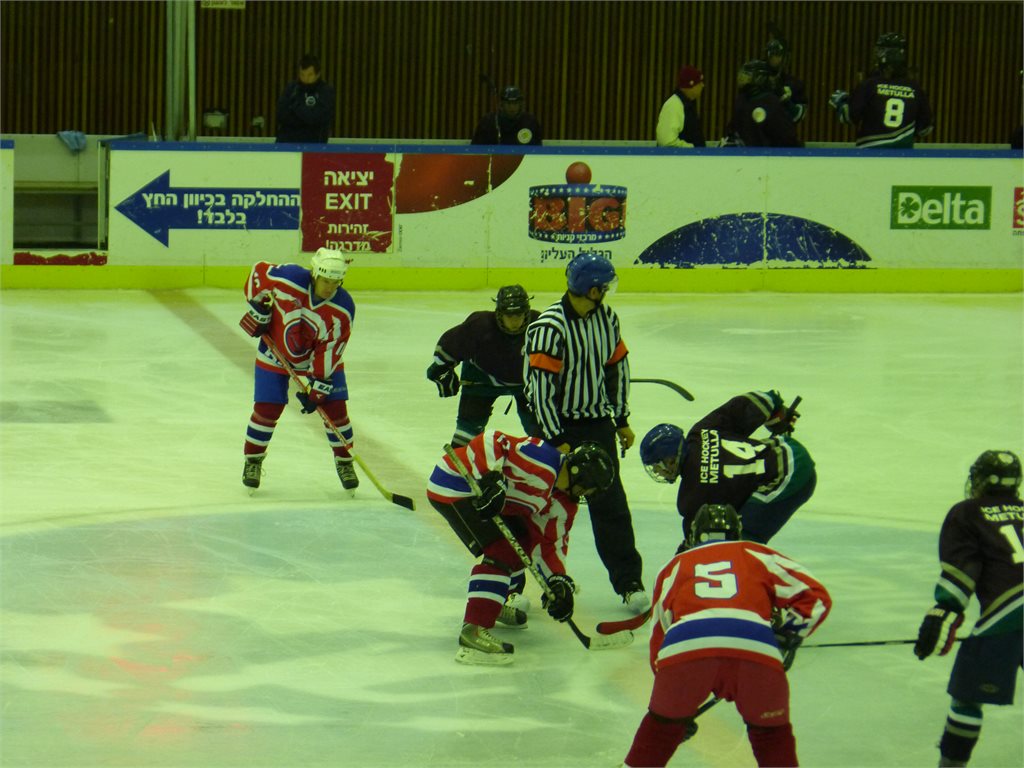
(678, 122)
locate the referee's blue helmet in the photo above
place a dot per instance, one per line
(590, 270)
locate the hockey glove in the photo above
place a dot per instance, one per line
(492, 495)
(840, 102)
(782, 422)
(256, 321)
(319, 389)
(446, 379)
(559, 606)
(939, 626)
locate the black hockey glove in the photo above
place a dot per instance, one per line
(789, 643)
(492, 495)
(446, 379)
(939, 626)
(560, 606)
(256, 321)
(319, 389)
(783, 420)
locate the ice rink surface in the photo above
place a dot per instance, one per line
(152, 613)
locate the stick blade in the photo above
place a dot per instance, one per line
(403, 501)
(611, 642)
(614, 627)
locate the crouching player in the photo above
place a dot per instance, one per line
(535, 488)
(726, 611)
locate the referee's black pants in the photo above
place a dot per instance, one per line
(609, 511)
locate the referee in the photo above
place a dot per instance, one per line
(577, 383)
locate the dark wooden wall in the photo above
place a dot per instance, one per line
(412, 70)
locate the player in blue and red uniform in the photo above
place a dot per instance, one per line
(535, 488)
(489, 345)
(308, 316)
(719, 462)
(725, 611)
(981, 553)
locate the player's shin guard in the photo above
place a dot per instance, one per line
(774, 747)
(488, 587)
(337, 412)
(261, 428)
(655, 741)
(963, 727)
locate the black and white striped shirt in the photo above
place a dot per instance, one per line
(575, 367)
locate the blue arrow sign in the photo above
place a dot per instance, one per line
(158, 208)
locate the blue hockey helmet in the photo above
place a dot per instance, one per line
(662, 451)
(590, 270)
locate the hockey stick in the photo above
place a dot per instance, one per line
(611, 627)
(665, 383)
(592, 643)
(394, 498)
(866, 642)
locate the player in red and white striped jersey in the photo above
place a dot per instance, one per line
(308, 316)
(724, 612)
(535, 488)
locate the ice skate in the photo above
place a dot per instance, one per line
(636, 599)
(478, 646)
(511, 614)
(251, 472)
(347, 475)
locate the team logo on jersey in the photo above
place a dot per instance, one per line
(577, 211)
(941, 208)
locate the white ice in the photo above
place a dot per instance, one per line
(154, 614)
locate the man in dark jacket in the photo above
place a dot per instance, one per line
(759, 118)
(305, 109)
(511, 124)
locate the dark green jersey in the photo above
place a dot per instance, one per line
(981, 553)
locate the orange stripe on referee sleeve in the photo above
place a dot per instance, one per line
(619, 353)
(545, 362)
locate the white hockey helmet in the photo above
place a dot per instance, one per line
(329, 264)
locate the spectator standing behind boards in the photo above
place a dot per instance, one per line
(789, 89)
(510, 124)
(679, 121)
(577, 384)
(981, 552)
(305, 109)
(889, 109)
(759, 118)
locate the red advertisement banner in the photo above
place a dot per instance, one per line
(347, 202)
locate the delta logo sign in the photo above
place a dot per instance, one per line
(577, 212)
(941, 208)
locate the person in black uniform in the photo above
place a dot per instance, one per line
(981, 553)
(305, 109)
(679, 121)
(890, 109)
(789, 88)
(577, 384)
(759, 118)
(489, 345)
(719, 462)
(511, 124)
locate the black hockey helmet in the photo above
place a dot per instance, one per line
(512, 300)
(892, 60)
(994, 473)
(511, 93)
(715, 522)
(756, 73)
(590, 469)
(891, 40)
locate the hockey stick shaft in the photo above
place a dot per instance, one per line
(394, 498)
(665, 383)
(514, 543)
